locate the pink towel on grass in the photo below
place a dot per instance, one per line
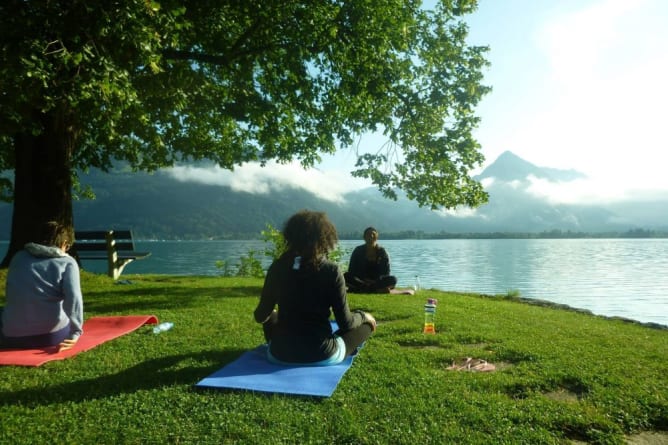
(97, 330)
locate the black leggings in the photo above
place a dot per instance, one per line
(356, 284)
(352, 338)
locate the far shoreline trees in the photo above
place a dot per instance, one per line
(157, 83)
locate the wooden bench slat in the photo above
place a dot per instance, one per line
(88, 246)
(90, 235)
(129, 247)
(101, 234)
(95, 255)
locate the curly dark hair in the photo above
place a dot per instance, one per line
(311, 235)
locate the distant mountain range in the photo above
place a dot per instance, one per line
(158, 206)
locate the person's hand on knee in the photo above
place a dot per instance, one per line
(368, 318)
(67, 344)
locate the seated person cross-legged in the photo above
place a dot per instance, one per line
(307, 288)
(44, 305)
(369, 268)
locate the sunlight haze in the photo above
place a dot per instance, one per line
(581, 85)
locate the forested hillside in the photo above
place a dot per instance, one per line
(159, 206)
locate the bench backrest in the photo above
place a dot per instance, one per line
(90, 240)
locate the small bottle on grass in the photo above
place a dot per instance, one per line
(162, 327)
(429, 315)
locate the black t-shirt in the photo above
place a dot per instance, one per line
(362, 268)
(306, 297)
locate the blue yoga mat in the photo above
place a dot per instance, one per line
(253, 372)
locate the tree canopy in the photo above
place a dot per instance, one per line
(156, 83)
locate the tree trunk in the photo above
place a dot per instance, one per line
(42, 181)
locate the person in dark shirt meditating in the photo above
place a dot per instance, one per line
(369, 268)
(307, 288)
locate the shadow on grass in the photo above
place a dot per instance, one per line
(146, 375)
(154, 298)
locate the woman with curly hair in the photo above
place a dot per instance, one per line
(307, 288)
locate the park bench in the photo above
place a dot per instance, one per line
(115, 246)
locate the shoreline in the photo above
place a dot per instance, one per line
(562, 306)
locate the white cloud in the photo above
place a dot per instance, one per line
(460, 212)
(573, 192)
(515, 184)
(486, 182)
(252, 178)
(591, 191)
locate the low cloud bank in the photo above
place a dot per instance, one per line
(592, 191)
(329, 185)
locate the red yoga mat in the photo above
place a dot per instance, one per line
(96, 330)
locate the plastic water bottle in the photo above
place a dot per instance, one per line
(162, 327)
(429, 314)
(416, 286)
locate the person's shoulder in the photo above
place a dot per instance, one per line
(279, 263)
(22, 253)
(67, 260)
(19, 257)
(328, 266)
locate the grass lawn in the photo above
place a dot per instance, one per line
(562, 376)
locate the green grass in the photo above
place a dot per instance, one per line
(561, 375)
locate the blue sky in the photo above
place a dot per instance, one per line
(579, 84)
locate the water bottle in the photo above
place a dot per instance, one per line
(429, 314)
(416, 286)
(162, 327)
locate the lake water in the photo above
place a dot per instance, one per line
(611, 277)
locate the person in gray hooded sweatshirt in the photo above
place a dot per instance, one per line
(44, 304)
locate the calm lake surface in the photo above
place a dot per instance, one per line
(611, 277)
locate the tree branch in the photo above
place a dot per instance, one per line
(174, 54)
(234, 52)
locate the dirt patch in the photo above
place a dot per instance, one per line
(562, 395)
(420, 344)
(648, 438)
(427, 347)
(500, 366)
(475, 345)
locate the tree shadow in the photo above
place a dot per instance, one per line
(155, 298)
(146, 375)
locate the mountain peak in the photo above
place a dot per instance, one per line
(510, 167)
